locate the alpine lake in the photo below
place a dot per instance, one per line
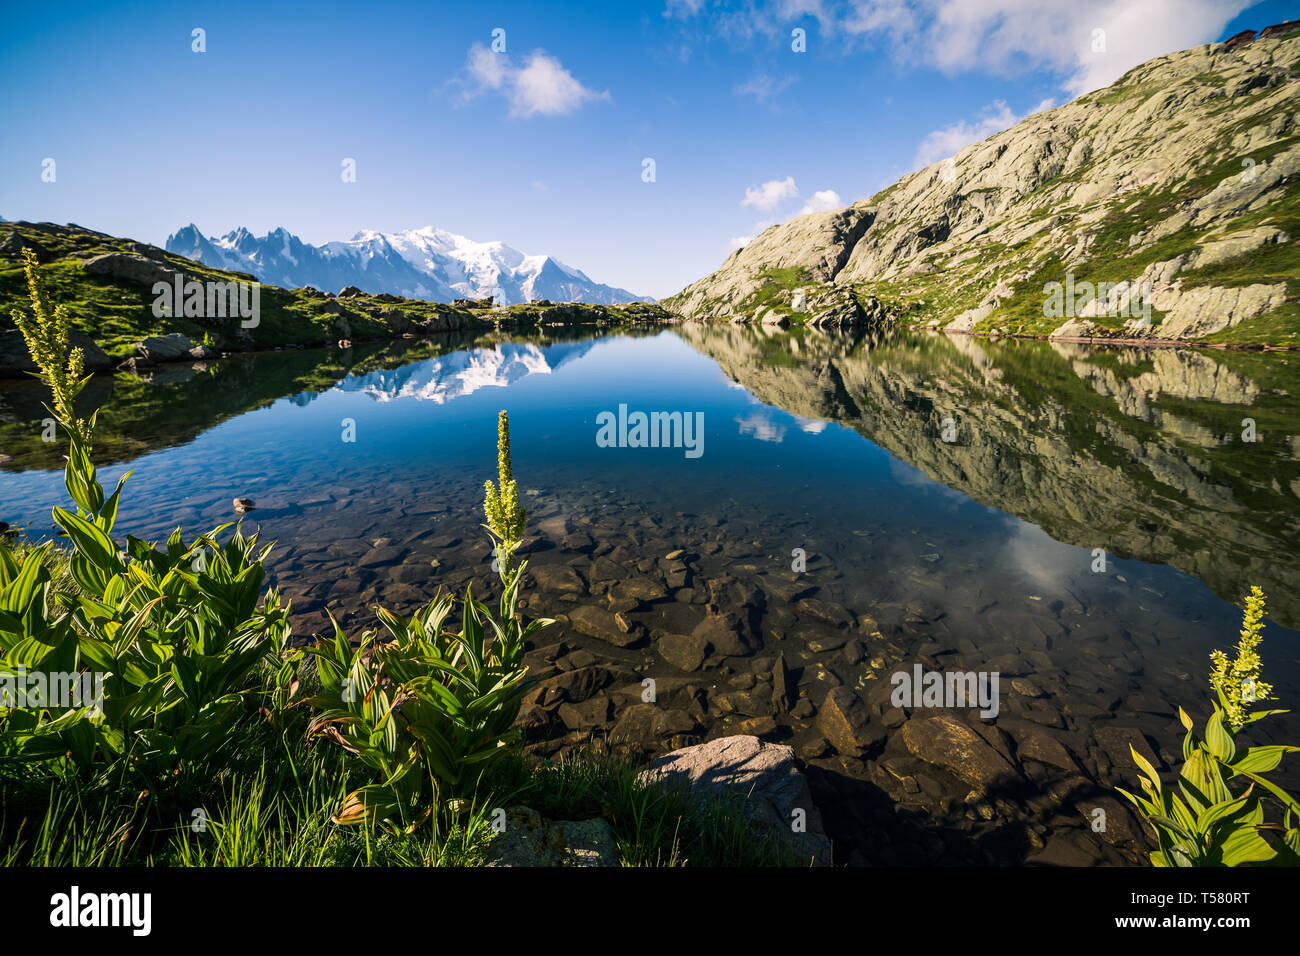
(1077, 526)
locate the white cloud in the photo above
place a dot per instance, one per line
(1005, 36)
(541, 87)
(811, 426)
(822, 201)
(999, 36)
(771, 194)
(764, 88)
(682, 8)
(487, 69)
(761, 426)
(945, 142)
(949, 140)
(544, 86)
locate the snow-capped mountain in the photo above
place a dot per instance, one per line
(457, 374)
(423, 263)
(440, 380)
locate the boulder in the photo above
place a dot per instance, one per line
(132, 268)
(594, 622)
(165, 348)
(783, 686)
(573, 686)
(766, 774)
(557, 579)
(1075, 329)
(724, 636)
(645, 725)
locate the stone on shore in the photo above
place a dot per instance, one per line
(777, 798)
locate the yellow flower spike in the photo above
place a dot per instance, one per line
(1238, 681)
(505, 517)
(46, 333)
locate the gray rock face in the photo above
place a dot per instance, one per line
(166, 348)
(1208, 309)
(775, 789)
(530, 839)
(120, 265)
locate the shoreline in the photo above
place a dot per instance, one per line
(1142, 343)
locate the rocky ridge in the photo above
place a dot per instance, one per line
(1182, 174)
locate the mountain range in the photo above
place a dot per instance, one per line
(447, 377)
(427, 263)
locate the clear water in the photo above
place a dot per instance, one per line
(953, 552)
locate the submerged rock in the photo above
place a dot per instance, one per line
(948, 743)
(684, 651)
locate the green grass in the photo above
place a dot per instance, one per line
(777, 283)
(273, 809)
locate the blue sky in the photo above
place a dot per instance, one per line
(541, 146)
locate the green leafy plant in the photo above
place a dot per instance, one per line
(432, 706)
(173, 644)
(1216, 814)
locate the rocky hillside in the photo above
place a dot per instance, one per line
(107, 283)
(1177, 184)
